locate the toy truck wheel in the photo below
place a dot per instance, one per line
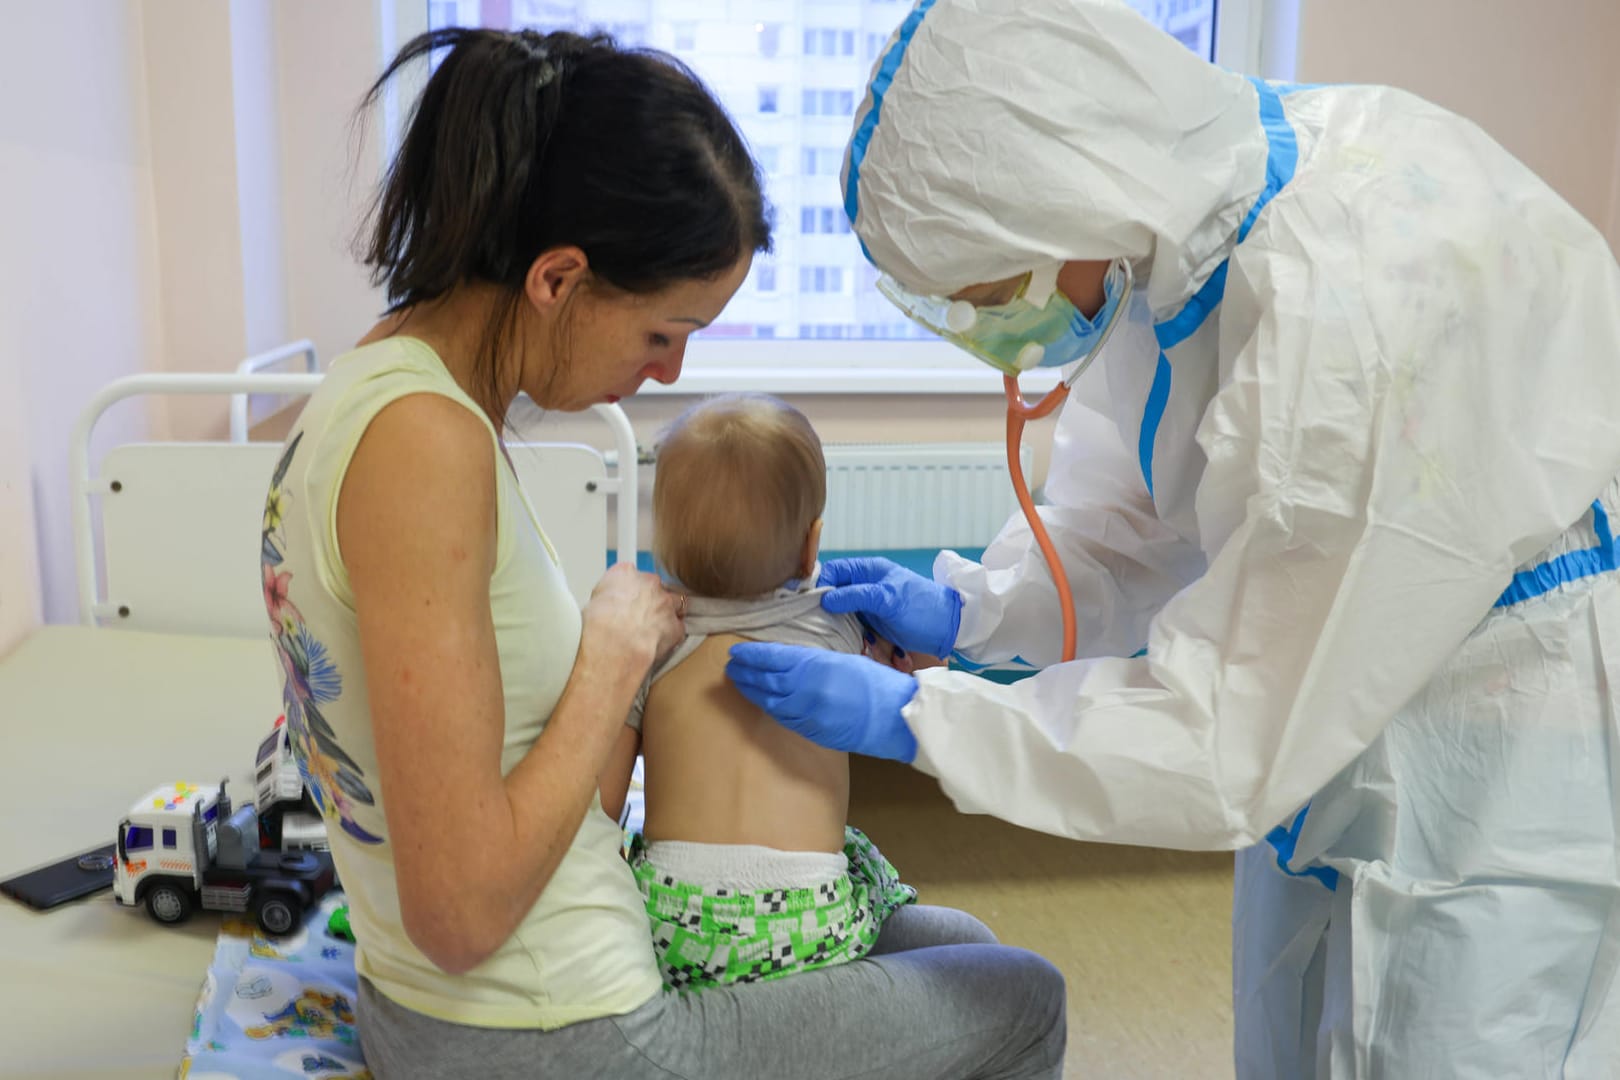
(168, 903)
(278, 913)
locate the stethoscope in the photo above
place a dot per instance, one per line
(1020, 412)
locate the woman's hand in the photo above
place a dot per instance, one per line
(631, 620)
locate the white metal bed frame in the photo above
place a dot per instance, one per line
(254, 365)
(157, 573)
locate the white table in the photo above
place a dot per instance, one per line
(90, 720)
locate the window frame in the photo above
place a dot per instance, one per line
(1256, 36)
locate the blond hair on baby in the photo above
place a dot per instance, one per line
(739, 489)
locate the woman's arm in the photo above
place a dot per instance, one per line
(416, 525)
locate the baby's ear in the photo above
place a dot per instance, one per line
(812, 550)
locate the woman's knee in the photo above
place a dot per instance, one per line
(1024, 997)
(1044, 1007)
(1046, 991)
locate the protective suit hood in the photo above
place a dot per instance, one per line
(976, 154)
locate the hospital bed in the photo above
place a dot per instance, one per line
(169, 675)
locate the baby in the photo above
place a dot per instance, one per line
(748, 868)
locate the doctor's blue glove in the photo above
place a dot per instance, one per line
(833, 699)
(915, 613)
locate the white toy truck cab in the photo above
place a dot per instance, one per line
(288, 817)
(183, 847)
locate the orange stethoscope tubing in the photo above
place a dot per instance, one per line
(1020, 412)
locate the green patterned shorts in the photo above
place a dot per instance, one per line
(712, 937)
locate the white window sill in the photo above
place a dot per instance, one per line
(839, 367)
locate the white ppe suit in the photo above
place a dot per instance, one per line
(1347, 475)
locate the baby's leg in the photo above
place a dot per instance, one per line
(920, 926)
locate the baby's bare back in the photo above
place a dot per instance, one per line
(720, 771)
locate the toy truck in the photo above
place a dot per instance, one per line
(183, 847)
(288, 817)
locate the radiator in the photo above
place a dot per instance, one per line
(917, 495)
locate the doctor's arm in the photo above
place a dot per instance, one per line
(1123, 564)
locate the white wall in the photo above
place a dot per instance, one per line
(19, 553)
(78, 283)
(326, 57)
(1542, 79)
(211, 88)
(255, 89)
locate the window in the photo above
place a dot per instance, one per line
(168, 839)
(442, 13)
(828, 220)
(1191, 22)
(827, 102)
(825, 331)
(816, 285)
(891, 330)
(828, 42)
(822, 161)
(632, 34)
(740, 331)
(139, 838)
(821, 279)
(770, 38)
(542, 14)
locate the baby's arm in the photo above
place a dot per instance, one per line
(614, 781)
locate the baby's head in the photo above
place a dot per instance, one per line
(738, 495)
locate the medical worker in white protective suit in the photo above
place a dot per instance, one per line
(1347, 474)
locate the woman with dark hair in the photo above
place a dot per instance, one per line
(561, 216)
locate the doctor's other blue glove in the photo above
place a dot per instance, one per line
(915, 613)
(833, 699)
